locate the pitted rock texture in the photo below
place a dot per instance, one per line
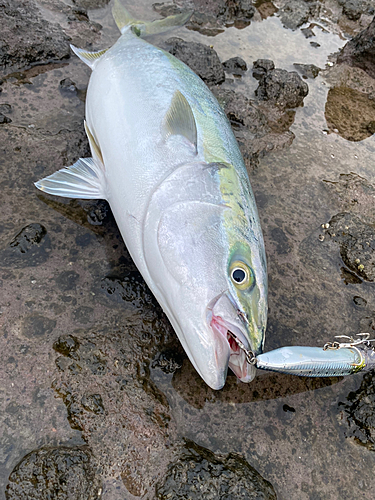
(211, 16)
(357, 243)
(199, 473)
(202, 59)
(235, 65)
(358, 413)
(60, 473)
(294, 13)
(26, 37)
(350, 113)
(282, 88)
(30, 247)
(360, 51)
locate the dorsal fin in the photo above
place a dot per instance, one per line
(180, 120)
(89, 58)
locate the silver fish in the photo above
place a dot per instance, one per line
(165, 158)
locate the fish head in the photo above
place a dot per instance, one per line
(224, 316)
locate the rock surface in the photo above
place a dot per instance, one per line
(282, 88)
(198, 473)
(351, 113)
(211, 16)
(62, 473)
(235, 65)
(26, 37)
(202, 59)
(360, 51)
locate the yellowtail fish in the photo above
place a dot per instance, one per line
(165, 158)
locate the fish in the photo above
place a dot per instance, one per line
(165, 158)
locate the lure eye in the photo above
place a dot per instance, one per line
(241, 275)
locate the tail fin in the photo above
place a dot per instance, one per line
(141, 28)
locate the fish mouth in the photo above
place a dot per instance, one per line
(224, 329)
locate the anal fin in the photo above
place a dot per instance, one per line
(85, 180)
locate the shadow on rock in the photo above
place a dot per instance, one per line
(199, 473)
(194, 391)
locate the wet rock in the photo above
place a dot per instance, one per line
(357, 244)
(282, 88)
(261, 67)
(129, 290)
(91, 4)
(4, 119)
(98, 213)
(5, 108)
(68, 87)
(352, 8)
(307, 32)
(258, 127)
(94, 403)
(359, 415)
(281, 241)
(168, 361)
(360, 51)
(29, 237)
(360, 302)
(83, 314)
(30, 247)
(307, 70)
(211, 16)
(78, 15)
(350, 113)
(199, 473)
(202, 59)
(296, 12)
(354, 194)
(26, 37)
(67, 280)
(37, 325)
(235, 65)
(109, 397)
(265, 8)
(50, 473)
(67, 345)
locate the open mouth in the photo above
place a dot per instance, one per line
(237, 358)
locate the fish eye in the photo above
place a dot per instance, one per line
(241, 275)
(238, 275)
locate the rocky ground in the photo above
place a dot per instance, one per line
(97, 398)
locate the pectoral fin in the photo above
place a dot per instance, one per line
(85, 179)
(180, 120)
